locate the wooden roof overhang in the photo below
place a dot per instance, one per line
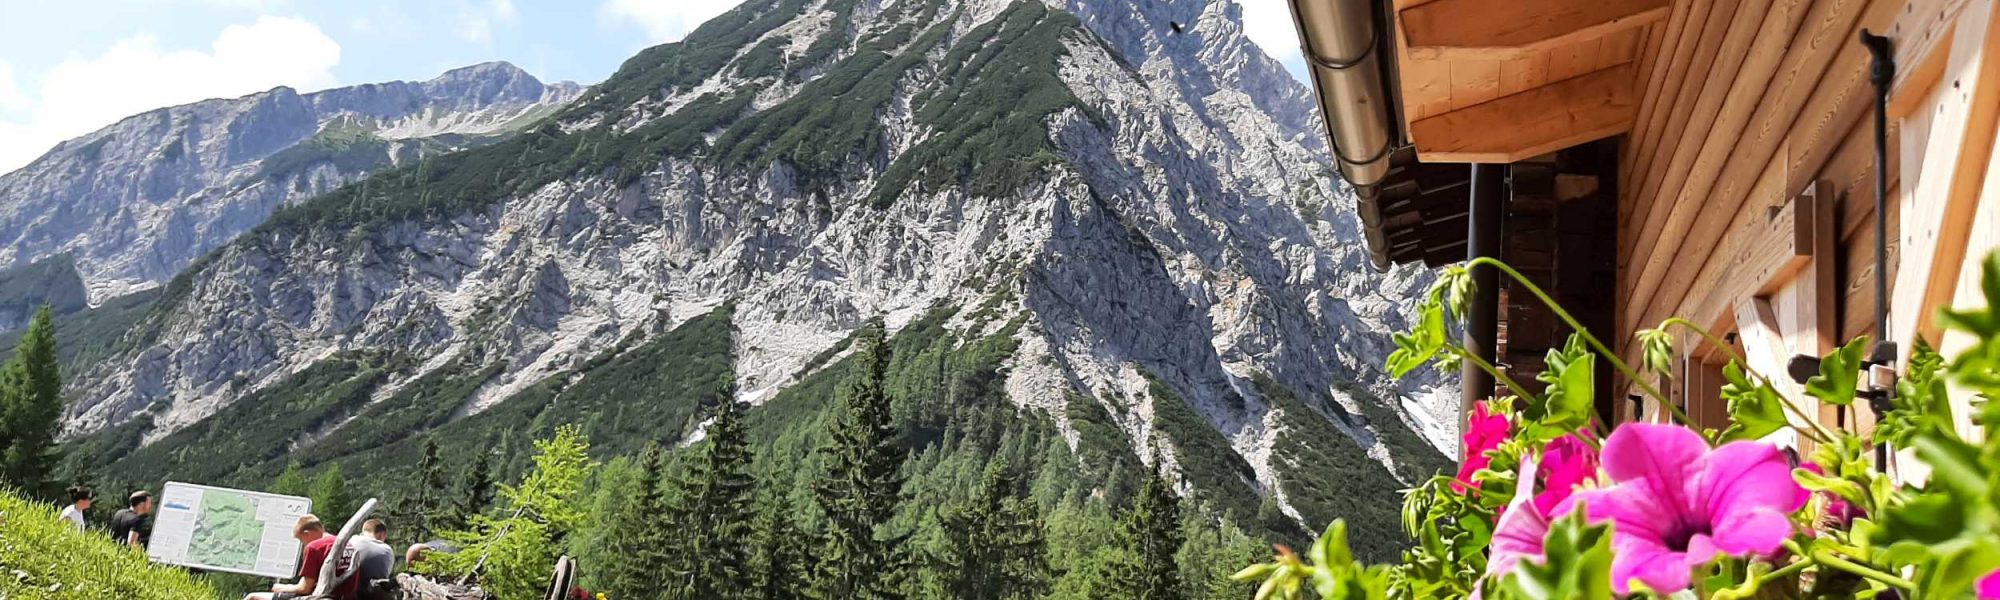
(1476, 81)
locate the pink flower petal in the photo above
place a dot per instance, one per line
(1742, 476)
(1761, 531)
(1989, 586)
(1660, 568)
(1649, 451)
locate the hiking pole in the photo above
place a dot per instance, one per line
(1880, 368)
(489, 547)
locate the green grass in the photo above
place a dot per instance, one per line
(44, 557)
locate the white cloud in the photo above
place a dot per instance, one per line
(81, 95)
(476, 22)
(1269, 24)
(663, 20)
(11, 97)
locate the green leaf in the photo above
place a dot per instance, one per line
(1839, 374)
(1417, 347)
(1577, 564)
(1755, 409)
(1254, 572)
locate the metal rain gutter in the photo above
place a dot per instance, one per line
(1345, 42)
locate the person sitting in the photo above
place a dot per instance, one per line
(374, 561)
(318, 548)
(130, 526)
(80, 498)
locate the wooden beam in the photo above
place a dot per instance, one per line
(1653, 67)
(1505, 29)
(1764, 346)
(1539, 121)
(1919, 37)
(1936, 219)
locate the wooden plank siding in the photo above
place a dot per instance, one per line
(1701, 181)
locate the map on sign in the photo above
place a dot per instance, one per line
(220, 529)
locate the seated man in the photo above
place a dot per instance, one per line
(374, 560)
(318, 548)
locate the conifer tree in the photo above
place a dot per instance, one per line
(429, 506)
(628, 538)
(716, 500)
(30, 407)
(995, 549)
(292, 482)
(780, 551)
(331, 500)
(1153, 532)
(472, 494)
(862, 489)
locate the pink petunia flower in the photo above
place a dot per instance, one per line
(1484, 431)
(1676, 504)
(1989, 586)
(1567, 462)
(1522, 527)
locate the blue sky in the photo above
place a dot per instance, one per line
(69, 67)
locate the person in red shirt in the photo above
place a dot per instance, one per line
(319, 545)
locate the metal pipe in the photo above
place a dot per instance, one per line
(1344, 46)
(1881, 73)
(1482, 316)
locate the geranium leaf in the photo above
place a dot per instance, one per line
(1839, 374)
(1755, 410)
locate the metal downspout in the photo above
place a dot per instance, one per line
(1482, 311)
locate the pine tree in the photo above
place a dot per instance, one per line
(331, 499)
(716, 509)
(779, 551)
(429, 506)
(472, 494)
(30, 408)
(862, 489)
(628, 538)
(292, 482)
(1153, 532)
(995, 549)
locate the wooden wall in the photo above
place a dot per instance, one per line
(1752, 138)
(1746, 193)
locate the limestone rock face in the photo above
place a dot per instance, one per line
(1183, 225)
(132, 204)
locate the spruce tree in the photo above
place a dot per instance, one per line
(995, 549)
(628, 539)
(779, 551)
(30, 408)
(1153, 532)
(331, 499)
(472, 494)
(862, 488)
(717, 507)
(429, 506)
(292, 482)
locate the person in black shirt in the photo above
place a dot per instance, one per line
(131, 525)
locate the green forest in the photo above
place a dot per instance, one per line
(896, 468)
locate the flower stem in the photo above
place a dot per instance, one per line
(1495, 372)
(1818, 432)
(1616, 362)
(1828, 559)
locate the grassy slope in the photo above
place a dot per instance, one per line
(46, 558)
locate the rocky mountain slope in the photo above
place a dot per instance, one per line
(1139, 224)
(133, 203)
